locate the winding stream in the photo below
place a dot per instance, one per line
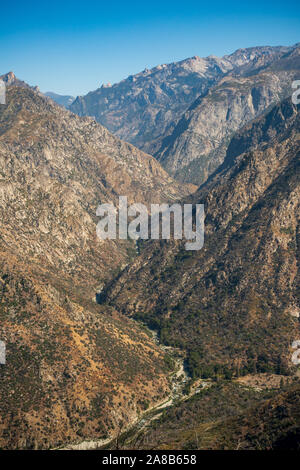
(179, 381)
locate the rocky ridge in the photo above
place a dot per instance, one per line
(145, 108)
(73, 369)
(198, 143)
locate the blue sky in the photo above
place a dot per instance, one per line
(74, 47)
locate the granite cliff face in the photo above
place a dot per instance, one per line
(234, 305)
(197, 145)
(145, 107)
(78, 370)
(74, 370)
(141, 108)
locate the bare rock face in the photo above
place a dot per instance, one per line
(77, 370)
(255, 58)
(197, 145)
(144, 108)
(73, 369)
(56, 169)
(230, 305)
(141, 108)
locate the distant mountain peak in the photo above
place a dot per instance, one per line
(11, 80)
(10, 76)
(145, 107)
(63, 100)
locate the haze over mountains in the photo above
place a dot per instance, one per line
(62, 100)
(185, 113)
(197, 146)
(222, 319)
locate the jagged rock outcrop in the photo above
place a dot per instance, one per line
(198, 143)
(144, 108)
(56, 168)
(11, 80)
(74, 370)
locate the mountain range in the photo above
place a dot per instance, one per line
(68, 361)
(233, 306)
(62, 100)
(185, 113)
(117, 343)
